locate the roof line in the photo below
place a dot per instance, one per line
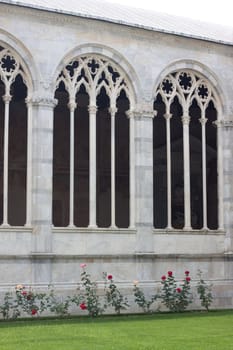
(110, 20)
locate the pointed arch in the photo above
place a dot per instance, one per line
(104, 81)
(192, 136)
(16, 92)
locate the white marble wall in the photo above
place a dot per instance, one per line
(40, 254)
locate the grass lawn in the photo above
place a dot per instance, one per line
(187, 331)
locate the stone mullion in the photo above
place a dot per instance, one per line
(113, 111)
(220, 139)
(92, 167)
(186, 155)
(29, 163)
(168, 117)
(203, 121)
(132, 207)
(6, 99)
(72, 106)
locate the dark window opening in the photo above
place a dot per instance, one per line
(61, 159)
(122, 161)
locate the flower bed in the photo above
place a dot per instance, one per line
(175, 296)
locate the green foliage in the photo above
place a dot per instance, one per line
(175, 298)
(205, 292)
(141, 300)
(91, 299)
(114, 297)
(25, 302)
(7, 306)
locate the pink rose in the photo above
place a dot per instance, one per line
(83, 265)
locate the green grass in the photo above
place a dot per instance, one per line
(187, 331)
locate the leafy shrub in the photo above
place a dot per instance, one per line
(205, 292)
(175, 298)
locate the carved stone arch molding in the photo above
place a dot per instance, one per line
(24, 57)
(201, 70)
(113, 56)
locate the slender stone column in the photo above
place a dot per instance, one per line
(6, 99)
(203, 121)
(72, 106)
(29, 163)
(113, 111)
(186, 155)
(92, 167)
(132, 206)
(223, 130)
(168, 117)
(144, 178)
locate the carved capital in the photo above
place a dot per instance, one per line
(113, 111)
(224, 123)
(203, 121)
(185, 119)
(130, 113)
(167, 116)
(43, 101)
(72, 105)
(7, 98)
(92, 109)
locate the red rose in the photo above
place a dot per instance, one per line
(178, 290)
(34, 311)
(188, 279)
(186, 273)
(24, 293)
(163, 278)
(169, 273)
(83, 306)
(109, 277)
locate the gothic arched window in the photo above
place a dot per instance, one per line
(185, 153)
(91, 145)
(13, 140)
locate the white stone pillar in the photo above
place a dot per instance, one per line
(203, 121)
(29, 164)
(144, 178)
(168, 117)
(42, 174)
(6, 99)
(221, 134)
(227, 170)
(132, 207)
(92, 166)
(186, 155)
(42, 184)
(113, 111)
(72, 106)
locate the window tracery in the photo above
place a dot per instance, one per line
(13, 132)
(187, 112)
(100, 94)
